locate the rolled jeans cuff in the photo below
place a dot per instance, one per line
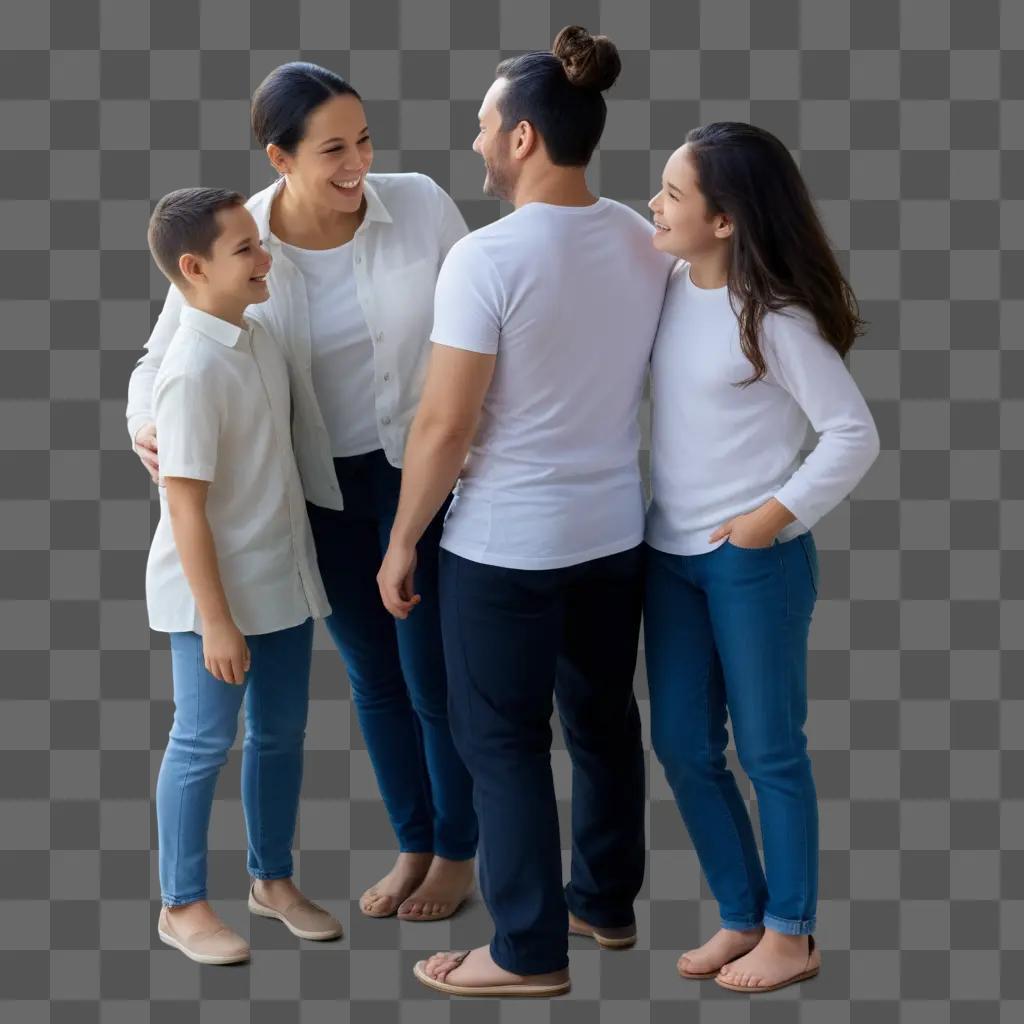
(780, 924)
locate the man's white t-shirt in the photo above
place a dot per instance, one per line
(340, 348)
(568, 298)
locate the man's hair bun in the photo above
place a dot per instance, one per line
(590, 62)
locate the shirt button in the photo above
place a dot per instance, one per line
(380, 335)
(387, 377)
(359, 259)
(386, 420)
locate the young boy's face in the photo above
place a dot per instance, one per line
(238, 264)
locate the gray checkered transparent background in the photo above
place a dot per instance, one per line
(908, 121)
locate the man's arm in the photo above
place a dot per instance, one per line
(439, 439)
(225, 651)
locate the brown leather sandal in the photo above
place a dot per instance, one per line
(606, 938)
(511, 989)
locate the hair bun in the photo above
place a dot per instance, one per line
(590, 62)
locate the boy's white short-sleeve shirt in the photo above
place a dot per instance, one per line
(222, 408)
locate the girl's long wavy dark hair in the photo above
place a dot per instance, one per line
(780, 254)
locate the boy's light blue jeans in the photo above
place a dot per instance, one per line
(276, 697)
(726, 636)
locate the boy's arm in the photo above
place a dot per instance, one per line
(188, 416)
(225, 651)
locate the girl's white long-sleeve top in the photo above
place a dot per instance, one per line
(718, 451)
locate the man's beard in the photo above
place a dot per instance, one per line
(498, 181)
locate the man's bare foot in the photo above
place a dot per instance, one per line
(478, 969)
(725, 945)
(444, 888)
(774, 960)
(194, 917)
(383, 899)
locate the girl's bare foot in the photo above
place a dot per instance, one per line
(725, 945)
(478, 969)
(773, 961)
(444, 888)
(383, 899)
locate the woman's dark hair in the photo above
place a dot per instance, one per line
(186, 221)
(283, 101)
(780, 254)
(559, 93)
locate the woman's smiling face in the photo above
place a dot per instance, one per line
(331, 162)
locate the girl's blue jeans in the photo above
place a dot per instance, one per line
(726, 639)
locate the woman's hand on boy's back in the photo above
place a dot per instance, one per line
(225, 652)
(145, 448)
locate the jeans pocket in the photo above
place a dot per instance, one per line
(811, 555)
(740, 547)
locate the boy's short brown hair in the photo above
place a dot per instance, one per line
(186, 221)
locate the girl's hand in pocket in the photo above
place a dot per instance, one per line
(225, 653)
(745, 531)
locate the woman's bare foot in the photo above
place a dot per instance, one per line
(774, 960)
(444, 888)
(383, 899)
(725, 945)
(479, 970)
(194, 917)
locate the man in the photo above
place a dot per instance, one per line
(543, 325)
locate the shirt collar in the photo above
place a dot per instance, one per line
(213, 327)
(261, 204)
(375, 208)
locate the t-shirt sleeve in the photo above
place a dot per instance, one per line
(187, 420)
(469, 301)
(805, 365)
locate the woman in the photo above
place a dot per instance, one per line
(355, 261)
(757, 318)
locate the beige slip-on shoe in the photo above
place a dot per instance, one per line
(208, 946)
(302, 918)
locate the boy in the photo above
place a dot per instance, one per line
(231, 575)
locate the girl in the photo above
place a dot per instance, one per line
(355, 261)
(750, 347)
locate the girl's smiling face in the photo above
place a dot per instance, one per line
(685, 227)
